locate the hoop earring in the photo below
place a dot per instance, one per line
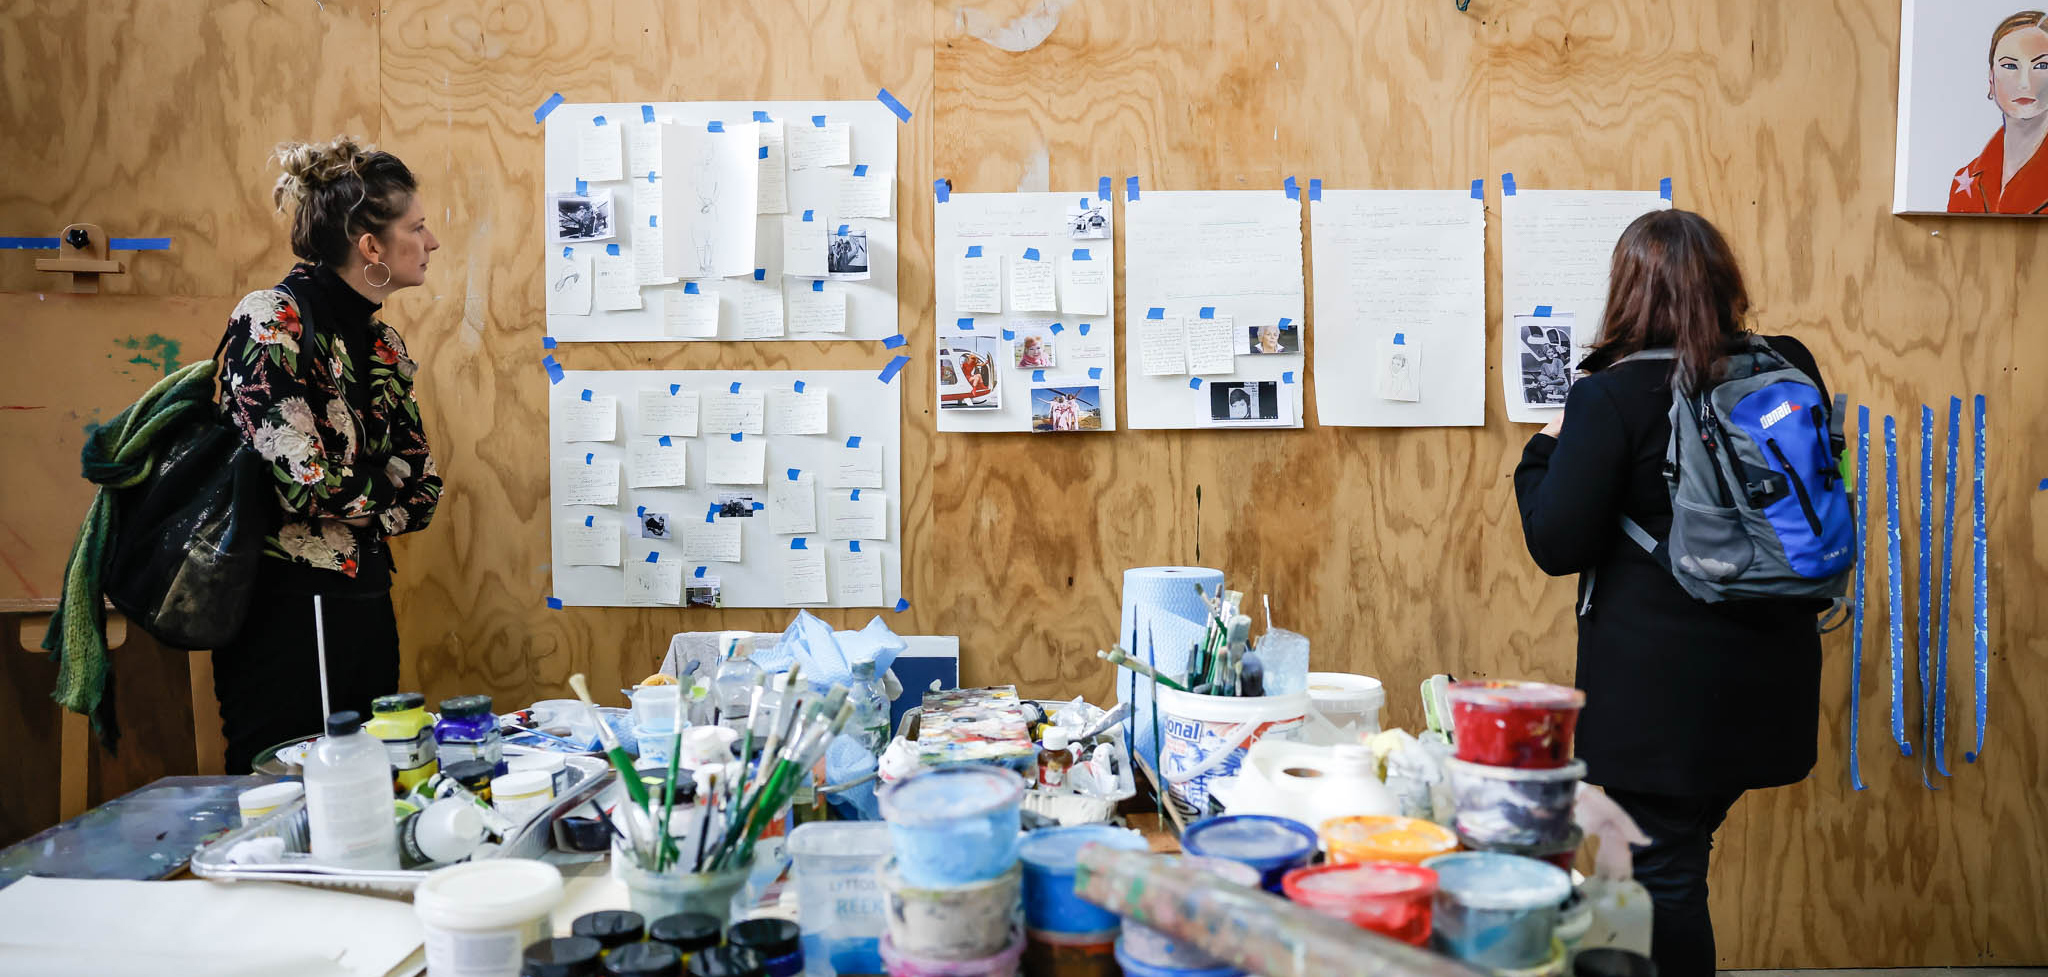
(387, 275)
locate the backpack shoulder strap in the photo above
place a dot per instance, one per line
(1648, 354)
(1641, 536)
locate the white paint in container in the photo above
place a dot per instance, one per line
(478, 916)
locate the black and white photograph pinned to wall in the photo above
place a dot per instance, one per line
(582, 216)
(847, 259)
(736, 505)
(1546, 358)
(655, 525)
(1088, 220)
(1244, 401)
(701, 592)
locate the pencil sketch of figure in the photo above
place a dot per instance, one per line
(704, 230)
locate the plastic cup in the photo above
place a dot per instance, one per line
(1389, 898)
(1269, 844)
(1380, 838)
(1497, 911)
(1002, 963)
(1050, 858)
(1515, 724)
(1514, 806)
(841, 907)
(954, 825)
(654, 896)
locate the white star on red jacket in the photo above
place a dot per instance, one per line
(1966, 182)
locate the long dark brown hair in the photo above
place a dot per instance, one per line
(1674, 284)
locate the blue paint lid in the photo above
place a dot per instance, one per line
(1491, 880)
(1258, 840)
(951, 794)
(1059, 849)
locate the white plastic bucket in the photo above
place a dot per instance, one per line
(478, 916)
(1205, 736)
(1343, 708)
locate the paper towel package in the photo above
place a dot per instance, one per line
(1163, 619)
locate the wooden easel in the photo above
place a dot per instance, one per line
(83, 254)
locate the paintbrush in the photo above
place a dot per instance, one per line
(668, 789)
(1116, 655)
(620, 761)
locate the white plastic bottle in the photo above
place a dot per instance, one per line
(348, 798)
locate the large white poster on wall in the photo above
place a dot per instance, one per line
(1973, 108)
(1556, 247)
(1400, 307)
(1213, 310)
(1025, 285)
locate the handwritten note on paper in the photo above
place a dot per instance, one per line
(773, 196)
(596, 419)
(654, 465)
(803, 245)
(1031, 286)
(1211, 349)
(793, 505)
(597, 153)
(860, 578)
(869, 194)
(1162, 346)
(734, 413)
(760, 310)
(859, 467)
(1084, 287)
(569, 285)
(662, 412)
(799, 413)
(736, 462)
(618, 283)
(594, 545)
(815, 309)
(813, 146)
(647, 240)
(858, 518)
(643, 153)
(717, 541)
(980, 285)
(690, 314)
(581, 483)
(803, 577)
(654, 584)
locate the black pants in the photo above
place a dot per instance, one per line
(1673, 867)
(268, 680)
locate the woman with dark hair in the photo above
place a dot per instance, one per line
(1688, 704)
(323, 391)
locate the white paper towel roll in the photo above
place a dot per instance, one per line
(1166, 600)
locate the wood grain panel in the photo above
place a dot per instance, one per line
(1397, 551)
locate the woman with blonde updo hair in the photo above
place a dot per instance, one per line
(323, 390)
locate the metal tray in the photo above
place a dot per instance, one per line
(1050, 800)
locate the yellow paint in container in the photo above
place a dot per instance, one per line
(1380, 838)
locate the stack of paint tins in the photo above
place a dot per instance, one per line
(1066, 935)
(1146, 952)
(953, 886)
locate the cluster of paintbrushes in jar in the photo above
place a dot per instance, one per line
(1219, 664)
(735, 802)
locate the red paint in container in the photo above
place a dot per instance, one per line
(1388, 898)
(1527, 725)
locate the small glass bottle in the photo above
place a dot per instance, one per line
(1055, 759)
(401, 721)
(468, 730)
(870, 708)
(733, 689)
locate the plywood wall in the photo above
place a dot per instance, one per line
(1397, 550)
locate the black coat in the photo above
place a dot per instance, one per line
(1682, 697)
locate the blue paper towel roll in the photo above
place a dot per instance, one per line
(1165, 599)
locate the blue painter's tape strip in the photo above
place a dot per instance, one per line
(853, 545)
(860, 169)
(541, 114)
(597, 121)
(974, 251)
(1208, 312)
(666, 442)
(810, 215)
(612, 249)
(1315, 190)
(1030, 254)
(1083, 204)
(30, 243)
(589, 521)
(554, 369)
(1948, 566)
(653, 556)
(1081, 254)
(653, 220)
(894, 367)
(798, 544)
(582, 188)
(902, 114)
(842, 230)
(760, 152)
(714, 126)
(1507, 184)
(1103, 189)
(1287, 376)
(1293, 189)
(643, 511)
(589, 457)
(1084, 327)
(1543, 312)
(699, 573)
(1400, 339)
(652, 176)
(1286, 323)
(1131, 188)
(1095, 373)
(1009, 335)
(674, 388)
(760, 116)
(547, 342)
(1924, 647)
(902, 605)
(690, 288)
(818, 286)
(942, 189)
(647, 113)
(856, 495)
(1857, 603)
(1664, 188)
(737, 437)
(1155, 312)
(586, 395)
(964, 322)
(853, 442)
(894, 341)
(799, 386)
(1038, 376)
(758, 506)
(735, 388)
(711, 513)
(567, 251)
(1058, 328)
(1980, 610)
(760, 274)
(1479, 189)
(793, 473)
(818, 121)
(1895, 590)
(139, 244)
(554, 603)
(1194, 383)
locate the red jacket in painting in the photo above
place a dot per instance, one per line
(1976, 188)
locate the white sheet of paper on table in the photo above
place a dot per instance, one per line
(736, 462)
(618, 285)
(734, 413)
(860, 577)
(980, 287)
(803, 577)
(692, 315)
(1162, 345)
(1210, 348)
(859, 467)
(861, 518)
(662, 412)
(760, 309)
(596, 419)
(594, 482)
(803, 245)
(799, 413)
(569, 284)
(1031, 286)
(654, 465)
(1399, 369)
(643, 154)
(595, 545)
(773, 194)
(647, 241)
(598, 157)
(654, 584)
(813, 146)
(709, 202)
(816, 309)
(793, 505)
(1084, 287)
(867, 195)
(716, 541)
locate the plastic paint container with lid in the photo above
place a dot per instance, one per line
(1204, 737)
(1133, 967)
(687, 932)
(1002, 963)
(1561, 854)
(1271, 845)
(1050, 858)
(954, 825)
(1151, 948)
(523, 795)
(555, 765)
(478, 916)
(1378, 838)
(259, 801)
(1389, 898)
(611, 928)
(1344, 708)
(1515, 724)
(1497, 911)
(644, 960)
(1514, 806)
(963, 922)
(778, 942)
(1071, 954)
(727, 961)
(1607, 961)
(468, 730)
(570, 956)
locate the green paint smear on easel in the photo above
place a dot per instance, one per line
(165, 349)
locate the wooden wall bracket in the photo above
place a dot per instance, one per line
(82, 254)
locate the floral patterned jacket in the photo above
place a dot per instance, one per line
(343, 479)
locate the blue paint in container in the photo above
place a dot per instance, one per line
(954, 825)
(1133, 967)
(1271, 845)
(1050, 857)
(1497, 910)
